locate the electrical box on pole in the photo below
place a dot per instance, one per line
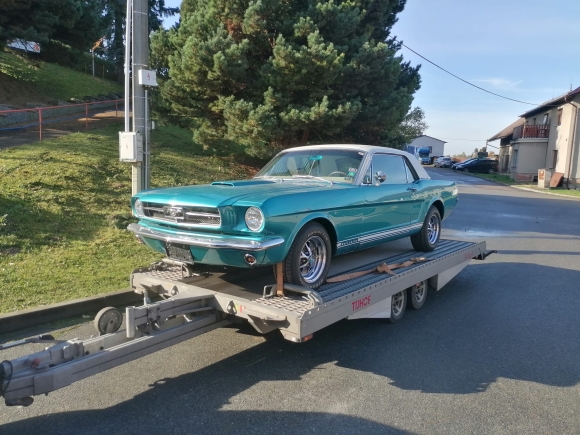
(130, 146)
(147, 78)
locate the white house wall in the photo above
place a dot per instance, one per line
(437, 146)
(531, 156)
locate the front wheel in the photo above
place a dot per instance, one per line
(427, 239)
(466, 170)
(308, 259)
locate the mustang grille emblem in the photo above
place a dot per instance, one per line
(176, 213)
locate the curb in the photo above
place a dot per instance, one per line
(17, 320)
(546, 193)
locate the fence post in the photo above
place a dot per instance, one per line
(40, 124)
(116, 109)
(86, 116)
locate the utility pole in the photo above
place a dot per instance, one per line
(134, 145)
(140, 61)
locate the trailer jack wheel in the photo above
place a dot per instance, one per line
(108, 320)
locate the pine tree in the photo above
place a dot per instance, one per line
(37, 20)
(115, 11)
(268, 74)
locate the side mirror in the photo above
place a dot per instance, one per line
(380, 177)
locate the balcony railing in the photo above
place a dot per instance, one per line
(531, 132)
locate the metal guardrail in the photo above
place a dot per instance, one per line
(89, 108)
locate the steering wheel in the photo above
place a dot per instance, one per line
(336, 172)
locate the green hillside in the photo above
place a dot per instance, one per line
(23, 80)
(64, 207)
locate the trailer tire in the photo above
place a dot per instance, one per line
(427, 239)
(308, 260)
(417, 295)
(398, 305)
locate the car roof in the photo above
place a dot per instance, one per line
(365, 148)
(369, 149)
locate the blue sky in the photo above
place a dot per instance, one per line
(526, 50)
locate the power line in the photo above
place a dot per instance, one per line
(469, 83)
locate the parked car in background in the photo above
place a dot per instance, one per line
(456, 165)
(442, 162)
(305, 206)
(485, 166)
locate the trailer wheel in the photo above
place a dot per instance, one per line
(417, 295)
(308, 259)
(398, 305)
(426, 240)
(108, 320)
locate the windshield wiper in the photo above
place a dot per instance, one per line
(312, 177)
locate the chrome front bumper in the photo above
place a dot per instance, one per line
(207, 242)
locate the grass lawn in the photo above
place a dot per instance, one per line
(499, 178)
(53, 80)
(64, 207)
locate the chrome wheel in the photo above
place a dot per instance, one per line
(397, 304)
(313, 257)
(433, 228)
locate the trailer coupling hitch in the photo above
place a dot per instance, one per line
(484, 255)
(46, 338)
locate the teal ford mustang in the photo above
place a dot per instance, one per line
(305, 206)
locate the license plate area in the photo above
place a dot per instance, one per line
(179, 253)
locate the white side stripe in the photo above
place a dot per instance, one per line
(380, 235)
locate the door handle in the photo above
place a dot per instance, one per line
(412, 189)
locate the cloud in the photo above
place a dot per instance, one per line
(499, 83)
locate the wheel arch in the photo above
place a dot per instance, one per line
(438, 203)
(321, 219)
(329, 227)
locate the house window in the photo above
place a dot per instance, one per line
(554, 159)
(545, 121)
(534, 121)
(514, 158)
(559, 116)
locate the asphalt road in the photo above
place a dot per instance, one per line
(497, 351)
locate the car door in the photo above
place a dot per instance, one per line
(389, 204)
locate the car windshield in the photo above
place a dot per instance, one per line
(336, 165)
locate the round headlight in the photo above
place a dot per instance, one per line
(139, 208)
(254, 218)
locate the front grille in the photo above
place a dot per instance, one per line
(187, 215)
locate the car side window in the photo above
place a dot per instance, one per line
(394, 167)
(411, 174)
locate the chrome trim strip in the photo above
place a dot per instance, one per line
(226, 243)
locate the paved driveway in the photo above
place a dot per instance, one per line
(496, 351)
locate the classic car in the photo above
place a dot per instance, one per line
(305, 206)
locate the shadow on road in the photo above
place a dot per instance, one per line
(481, 327)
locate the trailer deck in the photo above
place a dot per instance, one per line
(198, 301)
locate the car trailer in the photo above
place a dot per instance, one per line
(195, 301)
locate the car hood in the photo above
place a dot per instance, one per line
(224, 193)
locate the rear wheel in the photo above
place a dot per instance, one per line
(417, 295)
(308, 259)
(491, 171)
(398, 305)
(427, 239)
